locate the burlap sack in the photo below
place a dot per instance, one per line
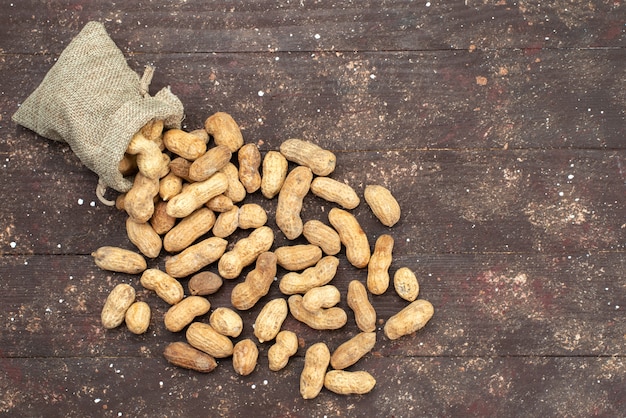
(95, 102)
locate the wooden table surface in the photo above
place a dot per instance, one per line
(498, 125)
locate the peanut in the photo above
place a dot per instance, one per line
(203, 337)
(364, 313)
(210, 163)
(128, 165)
(119, 259)
(180, 167)
(378, 266)
(137, 317)
(322, 319)
(252, 216)
(249, 162)
(220, 203)
(204, 283)
(352, 236)
(320, 298)
(298, 257)
(195, 257)
(318, 275)
(352, 350)
(295, 187)
(235, 190)
(116, 305)
(335, 191)
(257, 283)
(286, 346)
(226, 322)
(406, 284)
(165, 286)
(139, 201)
(410, 319)
(275, 167)
(270, 319)
(316, 362)
(224, 130)
(184, 144)
(160, 221)
(153, 130)
(183, 355)
(384, 206)
(322, 235)
(149, 156)
(170, 186)
(144, 237)
(183, 313)
(349, 383)
(320, 161)
(188, 230)
(245, 355)
(202, 134)
(196, 194)
(226, 223)
(245, 252)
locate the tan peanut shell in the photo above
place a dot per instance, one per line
(116, 305)
(119, 259)
(321, 297)
(275, 167)
(378, 266)
(220, 203)
(249, 162)
(170, 186)
(184, 355)
(204, 283)
(286, 346)
(335, 191)
(165, 286)
(257, 283)
(203, 337)
(410, 319)
(210, 163)
(352, 237)
(145, 238)
(153, 129)
(137, 317)
(180, 167)
(320, 161)
(352, 350)
(183, 313)
(202, 134)
(319, 275)
(235, 190)
(298, 257)
(358, 301)
(349, 383)
(226, 321)
(322, 319)
(139, 200)
(245, 356)
(316, 362)
(295, 187)
(384, 206)
(406, 284)
(195, 257)
(196, 194)
(149, 156)
(224, 130)
(252, 216)
(188, 230)
(270, 319)
(226, 223)
(160, 221)
(322, 235)
(245, 252)
(184, 144)
(128, 165)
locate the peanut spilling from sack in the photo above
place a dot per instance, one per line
(187, 200)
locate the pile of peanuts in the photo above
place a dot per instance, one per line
(181, 184)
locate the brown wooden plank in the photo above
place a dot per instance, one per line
(486, 305)
(195, 26)
(418, 386)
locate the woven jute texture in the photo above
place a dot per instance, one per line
(95, 102)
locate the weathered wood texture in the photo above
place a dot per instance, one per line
(499, 127)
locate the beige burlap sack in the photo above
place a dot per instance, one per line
(95, 102)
